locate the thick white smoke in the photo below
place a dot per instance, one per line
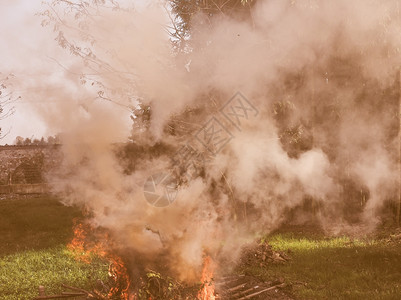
(333, 62)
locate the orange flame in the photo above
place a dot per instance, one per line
(207, 290)
(85, 248)
(119, 273)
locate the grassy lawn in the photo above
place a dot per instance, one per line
(336, 268)
(33, 237)
(34, 233)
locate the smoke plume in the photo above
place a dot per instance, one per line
(322, 77)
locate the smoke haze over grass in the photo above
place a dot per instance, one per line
(322, 75)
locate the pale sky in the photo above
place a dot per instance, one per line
(21, 53)
(26, 49)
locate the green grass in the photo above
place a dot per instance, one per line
(34, 233)
(336, 268)
(22, 273)
(34, 223)
(33, 237)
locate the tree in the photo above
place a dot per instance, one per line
(77, 29)
(6, 100)
(27, 142)
(19, 140)
(185, 10)
(51, 140)
(74, 25)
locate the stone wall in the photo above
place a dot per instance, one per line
(40, 188)
(27, 164)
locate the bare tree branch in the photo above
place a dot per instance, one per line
(7, 98)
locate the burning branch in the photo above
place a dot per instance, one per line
(86, 247)
(207, 290)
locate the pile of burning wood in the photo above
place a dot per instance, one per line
(155, 286)
(263, 255)
(241, 287)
